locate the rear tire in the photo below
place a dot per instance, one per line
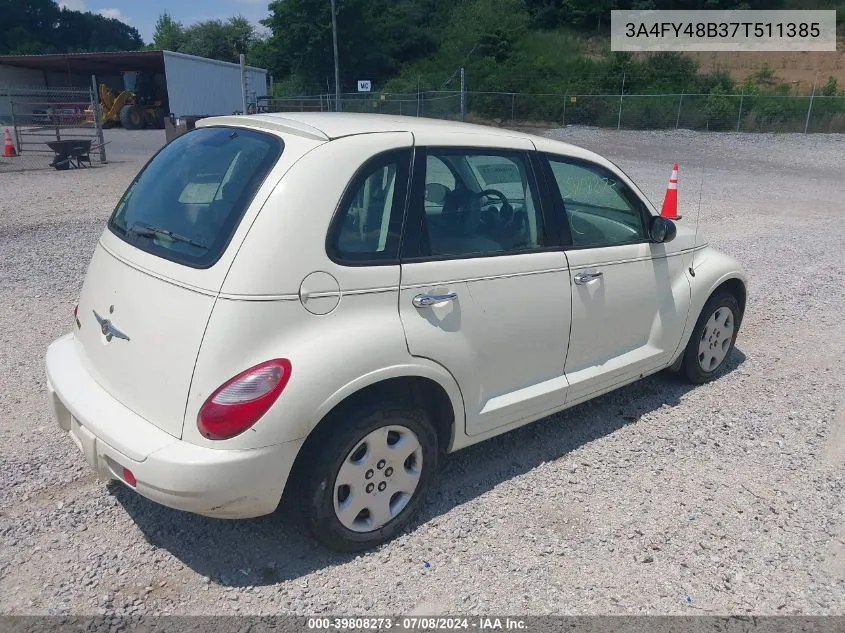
(361, 462)
(132, 117)
(713, 338)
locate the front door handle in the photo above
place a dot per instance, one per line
(585, 278)
(427, 301)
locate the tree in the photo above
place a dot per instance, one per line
(261, 54)
(82, 31)
(169, 34)
(216, 39)
(40, 26)
(239, 34)
(27, 25)
(301, 38)
(375, 37)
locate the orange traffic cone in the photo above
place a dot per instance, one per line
(8, 145)
(670, 200)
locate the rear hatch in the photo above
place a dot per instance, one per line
(154, 276)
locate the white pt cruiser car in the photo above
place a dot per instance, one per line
(323, 305)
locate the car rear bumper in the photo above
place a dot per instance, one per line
(212, 482)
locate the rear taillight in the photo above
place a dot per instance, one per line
(240, 402)
(76, 315)
(129, 478)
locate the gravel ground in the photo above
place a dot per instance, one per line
(658, 498)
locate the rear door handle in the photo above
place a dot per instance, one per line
(585, 278)
(427, 301)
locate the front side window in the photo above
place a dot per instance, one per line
(601, 209)
(479, 202)
(368, 225)
(187, 202)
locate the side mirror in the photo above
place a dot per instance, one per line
(662, 230)
(435, 192)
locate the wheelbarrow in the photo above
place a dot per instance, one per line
(71, 153)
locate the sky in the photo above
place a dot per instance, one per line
(143, 15)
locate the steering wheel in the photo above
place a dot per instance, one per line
(493, 193)
(498, 216)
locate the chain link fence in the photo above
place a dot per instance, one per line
(50, 128)
(704, 112)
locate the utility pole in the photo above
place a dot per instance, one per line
(336, 68)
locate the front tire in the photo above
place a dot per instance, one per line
(132, 117)
(713, 338)
(365, 482)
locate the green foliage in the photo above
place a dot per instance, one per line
(260, 53)
(763, 82)
(168, 35)
(40, 26)
(719, 105)
(763, 76)
(831, 88)
(291, 86)
(214, 39)
(375, 38)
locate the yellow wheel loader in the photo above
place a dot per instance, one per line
(133, 109)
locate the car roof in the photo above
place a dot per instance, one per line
(327, 126)
(331, 125)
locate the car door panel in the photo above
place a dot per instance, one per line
(630, 296)
(499, 322)
(503, 337)
(628, 321)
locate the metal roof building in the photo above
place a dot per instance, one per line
(194, 85)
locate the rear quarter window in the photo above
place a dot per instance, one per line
(187, 202)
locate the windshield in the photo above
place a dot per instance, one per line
(189, 199)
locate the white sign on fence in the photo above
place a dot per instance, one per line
(364, 85)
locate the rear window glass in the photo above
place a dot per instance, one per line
(189, 199)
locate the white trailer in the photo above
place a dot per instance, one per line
(198, 86)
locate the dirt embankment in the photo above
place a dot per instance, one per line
(798, 68)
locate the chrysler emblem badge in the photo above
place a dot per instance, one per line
(108, 329)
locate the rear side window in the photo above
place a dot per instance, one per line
(189, 199)
(368, 225)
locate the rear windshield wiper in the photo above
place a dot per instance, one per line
(145, 230)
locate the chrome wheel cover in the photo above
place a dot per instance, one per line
(378, 478)
(716, 339)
